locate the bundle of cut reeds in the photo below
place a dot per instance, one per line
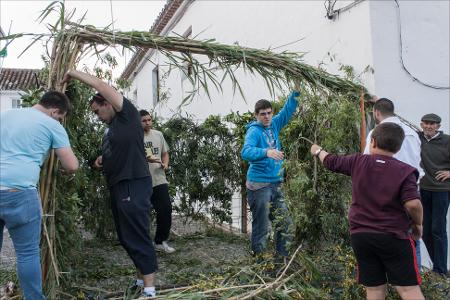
(65, 51)
(277, 69)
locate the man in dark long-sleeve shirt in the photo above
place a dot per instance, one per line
(385, 207)
(435, 190)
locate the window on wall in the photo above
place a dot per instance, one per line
(16, 103)
(187, 66)
(155, 85)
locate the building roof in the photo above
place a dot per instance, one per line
(18, 79)
(160, 23)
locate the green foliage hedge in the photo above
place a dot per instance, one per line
(204, 167)
(206, 170)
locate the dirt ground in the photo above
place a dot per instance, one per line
(206, 257)
(105, 267)
(198, 251)
(7, 256)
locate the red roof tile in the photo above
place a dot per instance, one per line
(18, 79)
(163, 19)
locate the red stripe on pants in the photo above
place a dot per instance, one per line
(416, 266)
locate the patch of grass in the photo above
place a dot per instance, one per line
(8, 275)
(225, 236)
(435, 286)
(105, 265)
(5, 277)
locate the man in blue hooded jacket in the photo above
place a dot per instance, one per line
(262, 149)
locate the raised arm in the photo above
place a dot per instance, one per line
(108, 92)
(283, 117)
(336, 163)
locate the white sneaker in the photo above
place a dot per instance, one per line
(149, 292)
(164, 247)
(148, 295)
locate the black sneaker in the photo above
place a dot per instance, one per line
(134, 290)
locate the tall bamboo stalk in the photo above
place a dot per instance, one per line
(65, 51)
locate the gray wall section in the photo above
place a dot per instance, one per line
(425, 39)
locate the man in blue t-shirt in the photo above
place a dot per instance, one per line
(26, 137)
(262, 149)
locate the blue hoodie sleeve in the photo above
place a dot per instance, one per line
(283, 117)
(251, 151)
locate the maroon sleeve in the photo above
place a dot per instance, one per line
(409, 190)
(340, 164)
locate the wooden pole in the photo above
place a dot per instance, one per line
(362, 130)
(244, 217)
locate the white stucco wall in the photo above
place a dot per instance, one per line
(264, 24)
(6, 98)
(366, 35)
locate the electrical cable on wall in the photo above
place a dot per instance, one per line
(332, 13)
(401, 56)
(329, 7)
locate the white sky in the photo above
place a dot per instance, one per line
(128, 15)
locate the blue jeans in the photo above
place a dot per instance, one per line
(418, 255)
(435, 206)
(267, 204)
(20, 212)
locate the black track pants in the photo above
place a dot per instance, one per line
(163, 207)
(130, 208)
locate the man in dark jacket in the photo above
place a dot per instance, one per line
(435, 189)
